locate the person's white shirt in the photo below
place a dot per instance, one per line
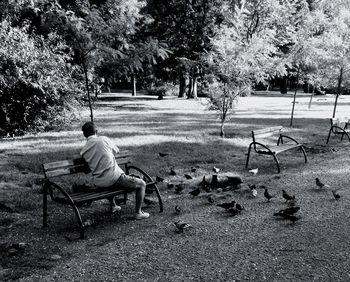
(99, 152)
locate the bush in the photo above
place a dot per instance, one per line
(166, 89)
(37, 87)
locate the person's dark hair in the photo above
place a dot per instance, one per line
(89, 129)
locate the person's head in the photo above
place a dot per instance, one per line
(89, 129)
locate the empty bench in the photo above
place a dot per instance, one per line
(339, 127)
(261, 144)
(64, 195)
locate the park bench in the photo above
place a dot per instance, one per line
(262, 145)
(339, 127)
(63, 194)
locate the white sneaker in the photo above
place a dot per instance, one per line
(115, 208)
(142, 215)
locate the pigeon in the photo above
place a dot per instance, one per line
(320, 184)
(290, 211)
(211, 199)
(233, 211)
(159, 179)
(172, 171)
(177, 209)
(163, 154)
(215, 169)
(254, 171)
(227, 206)
(178, 188)
(335, 194)
(267, 195)
(181, 226)
(205, 185)
(195, 192)
(253, 190)
(290, 217)
(291, 203)
(188, 176)
(239, 207)
(286, 196)
(193, 169)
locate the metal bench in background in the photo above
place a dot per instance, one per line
(261, 145)
(339, 127)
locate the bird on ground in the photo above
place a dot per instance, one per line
(228, 205)
(159, 179)
(193, 169)
(286, 196)
(163, 154)
(239, 207)
(267, 195)
(216, 169)
(254, 171)
(290, 217)
(177, 209)
(290, 211)
(320, 184)
(205, 185)
(211, 199)
(253, 190)
(179, 188)
(181, 226)
(188, 176)
(172, 171)
(336, 195)
(291, 203)
(170, 185)
(233, 211)
(195, 192)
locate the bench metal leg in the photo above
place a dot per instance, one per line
(329, 135)
(248, 156)
(80, 222)
(159, 198)
(277, 162)
(303, 150)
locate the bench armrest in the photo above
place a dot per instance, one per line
(53, 197)
(280, 139)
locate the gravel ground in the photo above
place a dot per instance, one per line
(252, 246)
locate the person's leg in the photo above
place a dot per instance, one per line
(140, 195)
(137, 184)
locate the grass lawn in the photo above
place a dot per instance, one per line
(252, 246)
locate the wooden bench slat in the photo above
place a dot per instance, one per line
(267, 131)
(64, 163)
(95, 196)
(281, 148)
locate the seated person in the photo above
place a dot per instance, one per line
(99, 152)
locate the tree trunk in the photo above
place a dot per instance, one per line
(195, 86)
(222, 132)
(88, 92)
(340, 80)
(294, 98)
(190, 88)
(182, 87)
(284, 82)
(133, 84)
(312, 95)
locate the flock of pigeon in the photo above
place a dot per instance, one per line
(232, 207)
